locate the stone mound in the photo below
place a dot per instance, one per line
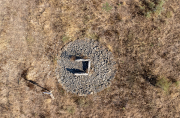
(85, 67)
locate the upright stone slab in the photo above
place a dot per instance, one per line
(85, 67)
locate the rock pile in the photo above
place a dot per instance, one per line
(99, 75)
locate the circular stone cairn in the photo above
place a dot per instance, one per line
(85, 67)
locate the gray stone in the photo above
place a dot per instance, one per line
(72, 72)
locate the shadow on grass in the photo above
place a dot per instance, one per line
(152, 79)
(24, 76)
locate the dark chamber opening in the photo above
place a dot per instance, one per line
(85, 68)
(85, 65)
(74, 70)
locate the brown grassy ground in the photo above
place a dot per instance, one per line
(146, 45)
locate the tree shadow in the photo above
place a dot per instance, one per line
(152, 79)
(24, 76)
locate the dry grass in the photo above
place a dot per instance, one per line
(3, 45)
(32, 33)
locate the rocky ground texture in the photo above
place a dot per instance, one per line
(101, 72)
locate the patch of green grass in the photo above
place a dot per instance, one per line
(151, 7)
(93, 36)
(109, 89)
(159, 7)
(142, 7)
(152, 45)
(107, 7)
(71, 109)
(177, 83)
(121, 3)
(61, 91)
(148, 14)
(30, 39)
(65, 39)
(82, 101)
(169, 14)
(130, 36)
(164, 83)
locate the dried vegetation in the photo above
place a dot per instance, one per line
(143, 35)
